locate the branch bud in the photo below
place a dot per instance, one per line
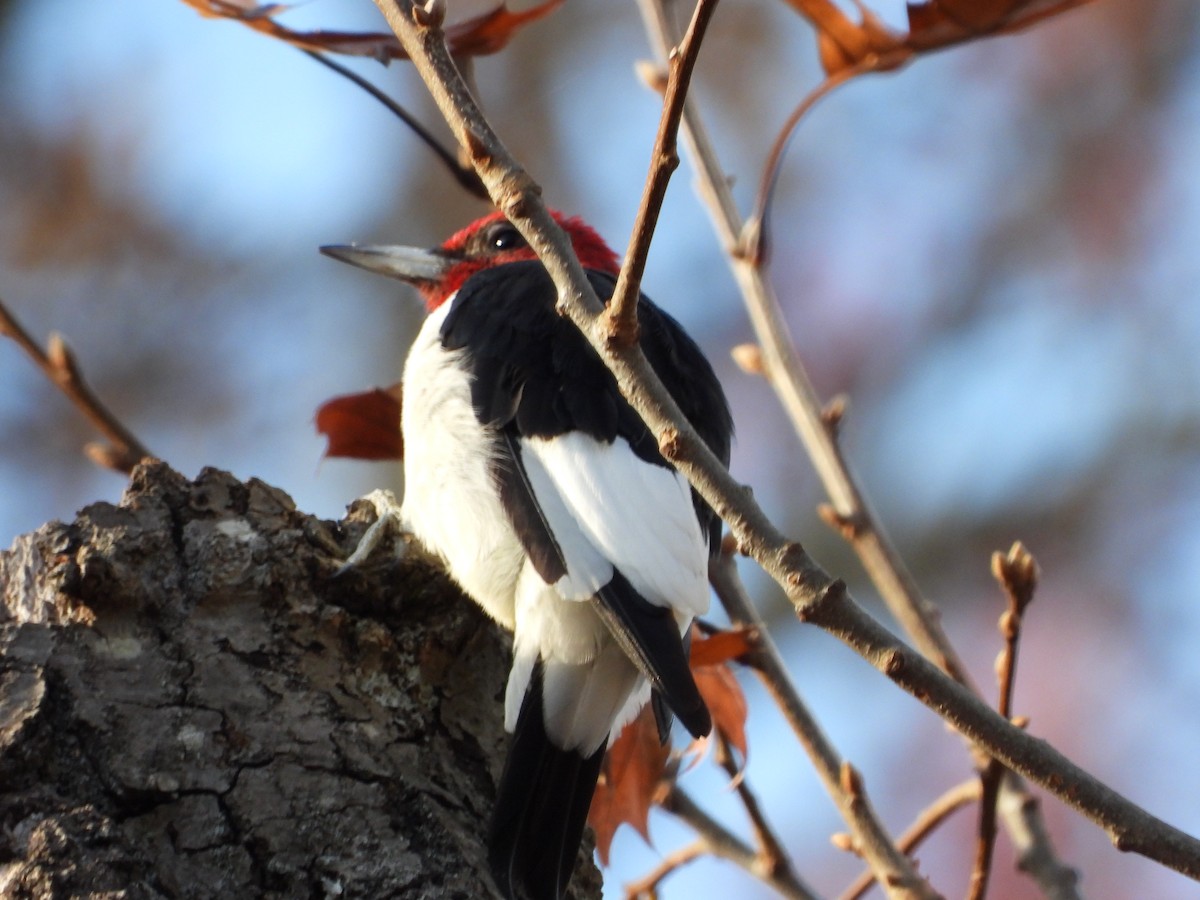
(430, 14)
(748, 358)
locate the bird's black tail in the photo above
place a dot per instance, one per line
(541, 807)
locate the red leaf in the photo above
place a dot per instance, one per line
(727, 704)
(363, 426)
(636, 762)
(969, 17)
(628, 782)
(719, 647)
(487, 33)
(491, 32)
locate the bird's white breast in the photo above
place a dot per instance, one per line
(450, 499)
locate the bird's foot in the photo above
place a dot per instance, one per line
(388, 524)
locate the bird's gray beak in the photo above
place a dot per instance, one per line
(411, 264)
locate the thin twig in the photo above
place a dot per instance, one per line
(840, 780)
(720, 841)
(464, 175)
(1017, 574)
(985, 838)
(646, 888)
(664, 159)
(754, 233)
(816, 596)
(123, 450)
(1130, 827)
(772, 858)
(1021, 813)
(922, 827)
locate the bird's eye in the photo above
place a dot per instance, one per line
(502, 236)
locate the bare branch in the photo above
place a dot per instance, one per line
(1131, 828)
(841, 782)
(925, 824)
(464, 175)
(1017, 573)
(785, 372)
(773, 861)
(755, 231)
(647, 888)
(985, 838)
(1026, 828)
(720, 841)
(123, 450)
(664, 159)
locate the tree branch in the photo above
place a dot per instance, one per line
(1017, 574)
(646, 888)
(1026, 828)
(466, 177)
(773, 861)
(123, 450)
(840, 779)
(720, 841)
(664, 159)
(785, 372)
(925, 824)
(1131, 828)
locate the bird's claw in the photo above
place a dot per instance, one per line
(388, 522)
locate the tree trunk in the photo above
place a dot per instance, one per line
(192, 705)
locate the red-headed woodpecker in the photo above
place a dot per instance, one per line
(547, 498)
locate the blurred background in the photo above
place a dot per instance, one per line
(994, 253)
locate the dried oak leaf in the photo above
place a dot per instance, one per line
(477, 36)
(363, 426)
(491, 32)
(719, 647)
(967, 16)
(629, 780)
(718, 686)
(636, 762)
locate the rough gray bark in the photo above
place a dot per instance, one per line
(192, 706)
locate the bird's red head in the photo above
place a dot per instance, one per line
(494, 241)
(490, 241)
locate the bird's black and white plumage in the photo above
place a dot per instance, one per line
(547, 498)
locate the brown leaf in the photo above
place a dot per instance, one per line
(719, 647)
(628, 782)
(363, 426)
(727, 704)
(479, 36)
(636, 762)
(961, 19)
(491, 32)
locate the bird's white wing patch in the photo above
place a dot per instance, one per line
(587, 569)
(637, 516)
